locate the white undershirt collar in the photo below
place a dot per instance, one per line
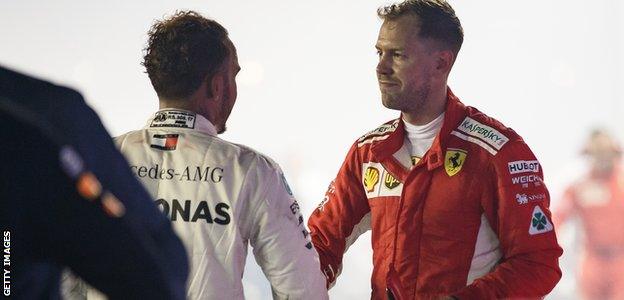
(424, 131)
(420, 137)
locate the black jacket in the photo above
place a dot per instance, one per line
(50, 223)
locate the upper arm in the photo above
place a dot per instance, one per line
(524, 218)
(341, 216)
(520, 215)
(280, 241)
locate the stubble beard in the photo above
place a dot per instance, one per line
(407, 102)
(225, 110)
(222, 113)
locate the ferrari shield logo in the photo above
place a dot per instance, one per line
(454, 160)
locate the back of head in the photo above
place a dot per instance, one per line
(436, 19)
(183, 51)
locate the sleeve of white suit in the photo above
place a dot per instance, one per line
(280, 240)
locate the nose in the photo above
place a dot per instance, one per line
(384, 66)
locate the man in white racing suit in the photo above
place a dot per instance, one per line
(219, 196)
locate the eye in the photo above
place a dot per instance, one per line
(379, 53)
(397, 55)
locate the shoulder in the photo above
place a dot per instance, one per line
(120, 139)
(261, 170)
(31, 91)
(486, 132)
(378, 134)
(261, 160)
(508, 154)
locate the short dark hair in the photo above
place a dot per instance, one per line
(436, 18)
(182, 51)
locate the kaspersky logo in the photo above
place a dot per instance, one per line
(483, 132)
(371, 178)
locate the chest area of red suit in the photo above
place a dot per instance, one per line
(452, 189)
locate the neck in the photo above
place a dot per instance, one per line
(177, 104)
(433, 106)
(192, 104)
(201, 106)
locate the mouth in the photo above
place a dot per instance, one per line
(387, 84)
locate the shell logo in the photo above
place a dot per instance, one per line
(371, 178)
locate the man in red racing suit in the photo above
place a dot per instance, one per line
(455, 200)
(477, 230)
(597, 201)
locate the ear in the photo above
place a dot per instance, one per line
(445, 60)
(216, 86)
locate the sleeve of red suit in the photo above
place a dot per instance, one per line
(337, 222)
(521, 218)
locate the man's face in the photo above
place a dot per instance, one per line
(228, 98)
(405, 64)
(603, 154)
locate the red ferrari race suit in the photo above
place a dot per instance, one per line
(599, 204)
(470, 219)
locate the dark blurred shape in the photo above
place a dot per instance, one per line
(67, 198)
(597, 200)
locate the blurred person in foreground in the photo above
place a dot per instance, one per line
(597, 200)
(219, 195)
(455, 200)
(68, 199)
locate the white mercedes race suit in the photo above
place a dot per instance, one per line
(220, 196)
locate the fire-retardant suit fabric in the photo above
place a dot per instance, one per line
(470, 219)
(221, 196)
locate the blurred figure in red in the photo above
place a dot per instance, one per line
(597, 199)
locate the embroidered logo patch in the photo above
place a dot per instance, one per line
(539, 222)
(523, 166)
(486, 133)
(173, 118)
(525, 180)
(378, 182)
(485, 136)
(330, 190)
(524, 198)
(390, 181)
(164, 141)
(380, 133)
(371, 178)
(454, 161)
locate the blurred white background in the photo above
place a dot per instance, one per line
(549, 69)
